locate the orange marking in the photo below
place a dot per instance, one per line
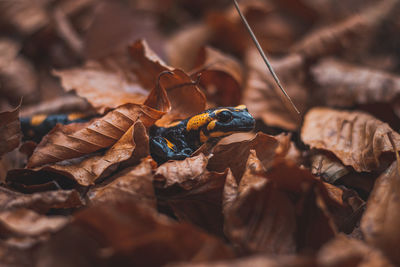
(198, 121)
(219, 134)
(220, 110)
(38, 119)
(211, 125)
(169, 144)
(241, 107)
(203, 137)
(75, 116)
(172, 124)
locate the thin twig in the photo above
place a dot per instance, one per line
(264, 57)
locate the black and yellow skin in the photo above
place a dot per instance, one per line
(181, 139)
(34, 128)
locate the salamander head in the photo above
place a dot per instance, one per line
(220, 122)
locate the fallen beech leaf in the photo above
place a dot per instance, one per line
(264, 99)
(10, 130)
(40, 202)
(356, 138)
(380, 221)
(344, 85)
(133, 146)
(115, 81)
(66, 142)
(185, 97)
(344, 34)
(131, 183)
(128, 234)
(23, 222)
(343, 251)
(261, 218)
(221, 75)
(192, 192)
(328, 167)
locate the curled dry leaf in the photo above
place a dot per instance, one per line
(264, 99)
(221, 75)
(344, 85)
(185, 98)
(345, 34)
(356, 138)
(40, 202)
(262, 218)
(343, 251)
(131, 183)
(328, 167)
(24, 222)
(380, 221)
(75, 140)
(10, 130)
(133, 146)
(117, 80)
(192, 192)
(130, 232)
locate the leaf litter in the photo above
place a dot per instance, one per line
(315, 189)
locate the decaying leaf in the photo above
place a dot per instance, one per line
(221, 76)
(381, 218)
(264, 99)
(128, 233)
(116, 80)
(356, 138)
(10, 130)
(131, 183)
(40, 202)
(24, 223)
(327, 167)
(133, 146)
(344, 85)
(75, 140)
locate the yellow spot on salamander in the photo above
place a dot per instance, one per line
(75, 116)
(169, 144)
(241, 107)
(38, 119)
(220, 110)
(203, 137)
(172, 124)
(219, 134)
(211, 125)
(198, 121)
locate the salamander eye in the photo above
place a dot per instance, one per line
(224, 116)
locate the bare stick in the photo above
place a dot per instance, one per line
(264, 57)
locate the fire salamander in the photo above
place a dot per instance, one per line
(182, 138)
(35, 127)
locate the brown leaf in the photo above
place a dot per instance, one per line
(66, 142)
(328, 167)
(24, 223)
(344, 85)
(10, 130)
(356, 138)
(133, 146)
(185, 97)
(345, 34)
(40, 202)
(380, 221)
(112, 234)
(343, 251)
(131, 183)
(117, 80)
(221, 75)
(264, 99)
(261, 218)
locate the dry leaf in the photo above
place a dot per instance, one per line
(344, 85)
(131, 183)
(125, 233)
(343, 251)
(356, 138)
(264, 99)
(328, 167)
(66, 142)
(261, 218)
(221, 76)
(133, 146)
(24, 222)
(117, 80)
(380, 221)
(40, 202)
(10, 130)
